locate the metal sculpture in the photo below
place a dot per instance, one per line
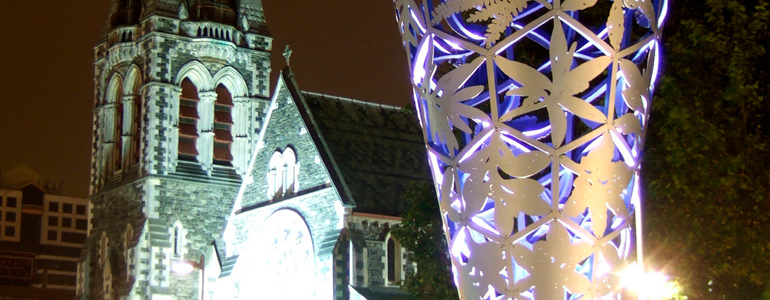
(533, 113)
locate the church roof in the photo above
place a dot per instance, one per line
(378, 149)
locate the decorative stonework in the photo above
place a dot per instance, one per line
(533, 114)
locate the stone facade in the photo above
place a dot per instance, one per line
(300, 206)
(153, 210)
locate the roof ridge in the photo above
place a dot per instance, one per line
(339, 98)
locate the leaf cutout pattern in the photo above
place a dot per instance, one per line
(615, 24)
(558, 95)
(498, 13)
(637, 86)
(645, 6)
(511, 196)
(599, 185)
(572, 5)
(552, 263)
(406, 21)
(496, 189)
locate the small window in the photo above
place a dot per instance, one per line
(178, 239)
(66, 222)
(52, 235)
(81, 210)
(10, 216)
(81, 224)
(10, 231)
(1, 201)
(394, 261)
(11, 202)
(104, 243)
(53, 206)
(53, 221)
(67, 208)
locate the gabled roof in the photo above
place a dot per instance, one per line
(377, 150)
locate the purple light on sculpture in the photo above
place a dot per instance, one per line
(526, 148)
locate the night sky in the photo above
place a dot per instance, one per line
(348, 48)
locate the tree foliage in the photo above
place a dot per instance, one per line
(708, 161)
(421, 232)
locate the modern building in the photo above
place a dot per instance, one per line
(207, 186)
(41, 236)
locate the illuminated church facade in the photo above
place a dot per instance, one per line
(205, 185)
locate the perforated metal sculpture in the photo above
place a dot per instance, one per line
(534, 114)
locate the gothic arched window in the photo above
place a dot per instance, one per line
(289, 171)
(136, 124)
(128, 253)
(178, 239)
(282, 173)
(188, 121)
(394, 265)
(103, 249)
(223, 122)
(118, 133)
(275, 175)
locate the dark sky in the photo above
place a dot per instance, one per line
(347, 48)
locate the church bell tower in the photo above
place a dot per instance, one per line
(181, 89)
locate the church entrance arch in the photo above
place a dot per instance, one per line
(280, 261)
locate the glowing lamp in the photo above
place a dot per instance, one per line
(648, 285)
(183, 267)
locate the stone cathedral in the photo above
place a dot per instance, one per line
(205, 184)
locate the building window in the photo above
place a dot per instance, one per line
(136, 123)
(275, 175)
(81, 210)
(10, 216)
(118, 134)
(188, 121)
(223, 122)
(289, 171)
(282, 173)
(63, 216)
(103, 249)
(128, 236)
(178, 239)
(394, 265)
(81, 224)
(10, 231)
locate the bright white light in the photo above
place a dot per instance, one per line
(531, 133)
(465, 31)
(655, 66)
(181, 267)
(419, 23)
(280, 263)
(419, 64)
(653, 286)
(663, 13)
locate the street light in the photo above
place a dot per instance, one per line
(183, 268)
(648, 285)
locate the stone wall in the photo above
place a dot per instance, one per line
(112, 212)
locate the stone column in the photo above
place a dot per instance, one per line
(127, 130)
(241, 130)
(206, 130)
